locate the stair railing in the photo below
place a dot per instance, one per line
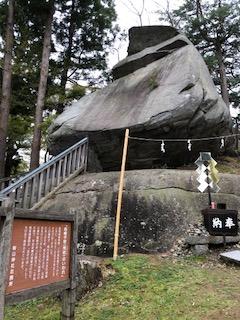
(35, 186)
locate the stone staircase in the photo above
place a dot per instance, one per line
(30, 191)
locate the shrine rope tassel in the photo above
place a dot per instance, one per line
(188, 141)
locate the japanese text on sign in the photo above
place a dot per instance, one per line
(40, 253)
(217, 223)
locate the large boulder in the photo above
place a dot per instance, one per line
(158, 207)
(164, 92)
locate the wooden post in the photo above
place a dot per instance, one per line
(6, 224)
(69, 295)
(68, 304)
(120, 192)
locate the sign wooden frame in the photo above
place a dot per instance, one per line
(66, 286)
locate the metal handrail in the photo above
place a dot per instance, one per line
(35, 185)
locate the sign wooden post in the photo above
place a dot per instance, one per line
(120, 192)
(6, 224)
(69, 295)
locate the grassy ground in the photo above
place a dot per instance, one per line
(152, 288)
(229, 165)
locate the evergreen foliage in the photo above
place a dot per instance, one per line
(82, 33)
(214, 27)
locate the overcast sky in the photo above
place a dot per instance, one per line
(128, 16)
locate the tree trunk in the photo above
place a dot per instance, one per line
(6, 87)
(68, 54)
(36, 142)
(223, 77)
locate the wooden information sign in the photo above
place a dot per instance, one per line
(42, 257)
(40, 254)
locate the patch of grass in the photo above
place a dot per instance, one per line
(228, 164)
(36, 309)
(145, 287)
(152, 82)
(142, 289)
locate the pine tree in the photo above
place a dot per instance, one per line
(213, 26)
(90, 24)
(6, 86)
(36, 142)
(85, 33)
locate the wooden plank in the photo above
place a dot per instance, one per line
(60, 162)
(33, 190)
(25, 195)
(53, 179)
(69, 296)
(78, 159)
(74, 250)
(37, 292)
(68, 304)
(2, 268)
(40, 215)
(40, 186)
(47, 181)
(69, 165)
(64, 167)
(85, 156)
(74, 160)
(5, 248)
(82, 157)
(120, 192)
(18, 196)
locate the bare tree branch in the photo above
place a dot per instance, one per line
(134, 10)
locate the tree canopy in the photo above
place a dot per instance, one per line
(213, 26)
(82, 33)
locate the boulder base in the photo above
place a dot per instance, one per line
(158, 208)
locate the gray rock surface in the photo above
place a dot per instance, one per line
(89, 274)
(158, 207)
(200, 249)
(231, 256)
(191, 240)
(148, 55)
(143, 37)
(164, 91)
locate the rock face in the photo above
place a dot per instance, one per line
(141, 38)
(159, 206)
(162, 90)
